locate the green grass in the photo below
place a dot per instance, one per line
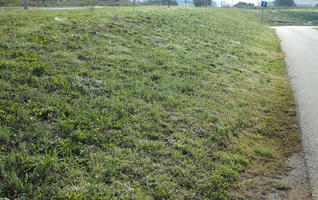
(156, 103)
(308, 17)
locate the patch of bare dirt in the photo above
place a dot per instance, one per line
(297, 180)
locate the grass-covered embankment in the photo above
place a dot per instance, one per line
(303, 17)
(153, 104)
(19, 3)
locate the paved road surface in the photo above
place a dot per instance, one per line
(300, 45)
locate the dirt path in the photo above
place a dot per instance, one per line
(300, 45)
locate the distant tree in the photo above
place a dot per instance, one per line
(244, 5)
(159, 2)
(202, 3)
(288, 3)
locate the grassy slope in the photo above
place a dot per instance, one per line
(19, 3)
(158, 103)
(308, 17)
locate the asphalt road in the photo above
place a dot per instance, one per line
(300, 45)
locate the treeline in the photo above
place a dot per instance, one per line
(284, 3)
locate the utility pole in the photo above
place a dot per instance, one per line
(26, 4)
